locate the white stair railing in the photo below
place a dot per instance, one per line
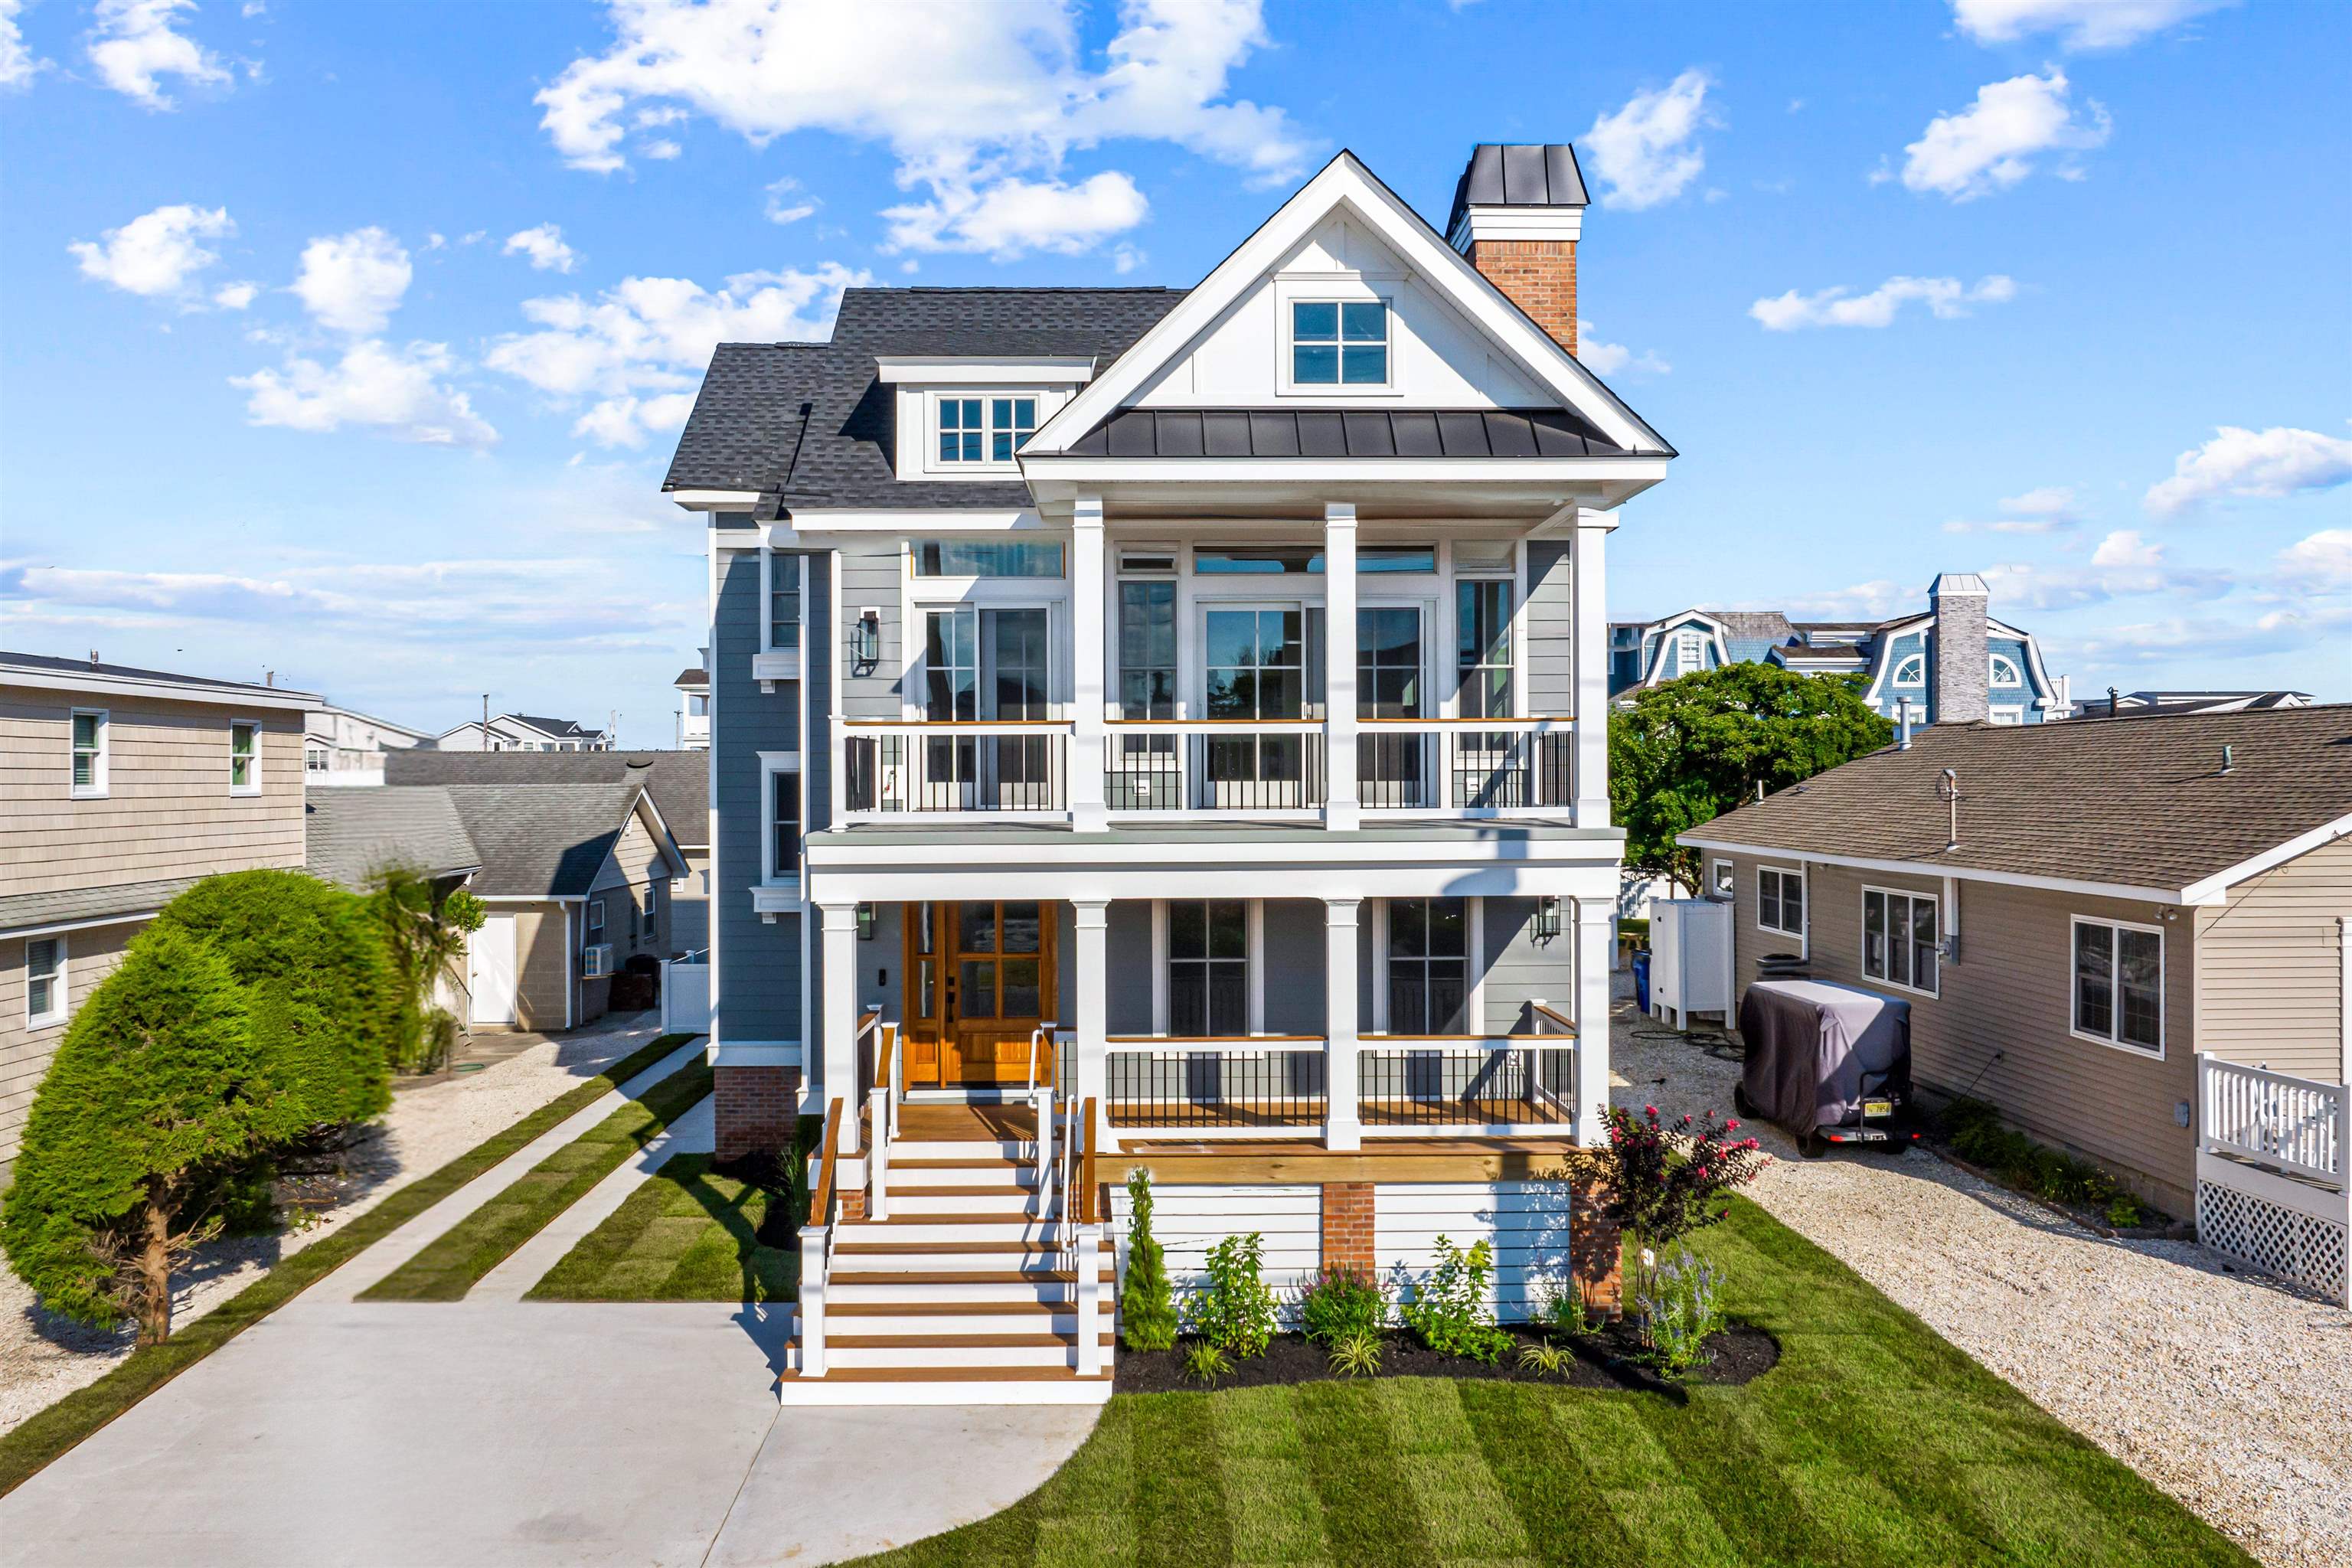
(2274, 1119)
(882, 1112)
(816, 1248)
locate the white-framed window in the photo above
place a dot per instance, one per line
(2004, 671)
(1208, 968)
(986, 558)
(1781, 901)
(985, 428)
(653, 907)
(1722, 879)
(243, 757)
(1338, 342)
(780, 794)
(1912, 671)
(1483, 662)
(2118, 985)
(595, 916)
(1898, 939)
(315, 759)
(91, 729)
(783, 626)
(2005, 716)
(1427, 958)
(45, 982)
(1690, 650)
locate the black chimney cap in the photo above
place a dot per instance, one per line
(1517, 174)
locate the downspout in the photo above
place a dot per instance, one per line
(571, 947)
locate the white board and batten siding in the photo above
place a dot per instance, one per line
(1189, 1220)
(1526, 1222)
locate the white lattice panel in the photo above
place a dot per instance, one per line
(2274, 1238)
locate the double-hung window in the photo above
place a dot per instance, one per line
(595, 917)
(784, 816)
(1338, 342)
(783, 602)
(984, 429)
(89, 754)
(45, 982)
(1898, 939)
(1428, 962)
(1690, 650)
(1208, 968)
(243, 757)
(1781, 901)
(2120, 984)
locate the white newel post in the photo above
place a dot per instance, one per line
(1344, 1127)
(839, 1029)
(1090, 1317)
(1342, 810)
(1090, 1074)
(812, 1300)
(1596, 932)
(1090, 653)
(1588, 582)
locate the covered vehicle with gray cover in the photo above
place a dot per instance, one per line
(1827, 1062)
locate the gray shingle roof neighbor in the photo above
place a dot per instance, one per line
(563, 728)
(2131, 801)
(353, 833)
(809, 424)
(542, 840)
(68, 905)
(46, 664)
(1344, 433)
(680, 781)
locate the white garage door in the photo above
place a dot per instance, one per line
(492, 971)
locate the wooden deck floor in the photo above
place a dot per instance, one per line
(966, 1124)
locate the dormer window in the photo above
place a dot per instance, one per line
(1337, 342)
(984, 429)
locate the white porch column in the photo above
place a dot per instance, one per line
(1596, 930)
(1343, 1129)
(838, 1015)
(1342, 810)
(1090, 652)
(1090, 1025)
(1589, 579)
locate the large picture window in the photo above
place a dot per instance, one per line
(2120, 984)
(1781, 901)
(1898, 939)
(987, 558)
(1429, 963)
(1208, 968)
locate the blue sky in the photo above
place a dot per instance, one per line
(351, 341)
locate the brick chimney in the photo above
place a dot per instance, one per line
(1959, 680)
(1517, 211)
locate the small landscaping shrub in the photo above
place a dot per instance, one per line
(1666, 1182)
(1559, 1305)
(1448, 1309)
(1147, 1307)
(1547, 1360)
(1205, 1362)
(1338, 1301)
(1975, 1131)
(1680, 1301)
(424, 932)
(1235, 1312)
(1357, 1354)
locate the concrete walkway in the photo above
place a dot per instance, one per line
(694, 1132)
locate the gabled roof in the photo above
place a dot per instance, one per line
(352, 833)
(679, 781)
(544, 840)
(2140, 806)
(1344, 433)
(692, 675)
(554, 729)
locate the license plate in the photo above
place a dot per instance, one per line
(1878, 1107)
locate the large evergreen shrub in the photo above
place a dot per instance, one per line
(160, 1092)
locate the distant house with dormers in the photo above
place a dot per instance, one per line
(523, 733)
(1994, 672)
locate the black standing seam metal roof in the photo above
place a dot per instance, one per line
(1344, 433)
(1517, 175)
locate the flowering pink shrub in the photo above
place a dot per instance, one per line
(1666, 1182)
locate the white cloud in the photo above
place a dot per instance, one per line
(2278, 461)
(2322, 563)
(787, 203)
(1607, 359)
(640, 348)
(967, 97)
(1014, 215)
(2049, 509)
(373, 387)
(353, 282)
(2086, 24)
(1945, 298)
(1991, 144)
(133, 44)
(1647, 151)
(2205, 638)
(2123, 565)
(2125, 547)
(18, 63)
(545, 246)
(155, 253)
(236, 296)
(1876, 600)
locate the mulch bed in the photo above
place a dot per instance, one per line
(1610, 1359)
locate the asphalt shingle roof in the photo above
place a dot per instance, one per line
(352, 833)
(2135, 802)
(680, 781)
(1344, 433)
(809, 424)
(542, 840)
(24, 911)
(563, 728)
(46, 664)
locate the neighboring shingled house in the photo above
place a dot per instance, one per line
(1995, 671)
(523, 733)
(352, 834)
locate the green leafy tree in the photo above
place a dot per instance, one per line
(324, 997)
(425, 934)
(1147, 1308)
(1691, 748)
(160, 1094)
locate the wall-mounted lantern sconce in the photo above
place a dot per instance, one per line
(865, 922)
(1547, 919)
(866, 649)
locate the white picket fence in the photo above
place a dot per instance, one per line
(2270, 1177)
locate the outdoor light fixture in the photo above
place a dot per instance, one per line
(1547, 919)
(868, 649)
(865, 922)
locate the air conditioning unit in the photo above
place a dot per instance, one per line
(596, 962)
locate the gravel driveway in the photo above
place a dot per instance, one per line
(43, 1358)
(2227, 1390)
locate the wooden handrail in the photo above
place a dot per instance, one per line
(1567, 1024)
(821, 1194)
(867, 1020)
(882, 1052)
(1086, 1214)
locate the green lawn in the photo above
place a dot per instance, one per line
(688, 1234)
(452, 1264)
(27, 1448)
(1874, 1441)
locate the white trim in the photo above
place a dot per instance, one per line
(930, 465)
(1803, 934)
(1731, 893)
(532, 898)
(774, 766)
(1992, 673)
(2209, 889)
(60, 998)
(715, 501)
(1556, 226)
(754, 1054)
(2344, 998)
(1358, 470)
(2115, 988)
(1291, 293)
(252, 786)
(809, 521)
(222, 695)
(102, 773)
(1862, 937)
(91, 923)
(592, 904)
(2194, 894)
(987, 370)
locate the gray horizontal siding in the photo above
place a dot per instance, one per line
(1549, 623)
(1520, 970)
(759, 963)
(870, 576)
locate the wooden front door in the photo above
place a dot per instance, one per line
(980, 980)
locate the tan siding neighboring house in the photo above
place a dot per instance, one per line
(2271, 982)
